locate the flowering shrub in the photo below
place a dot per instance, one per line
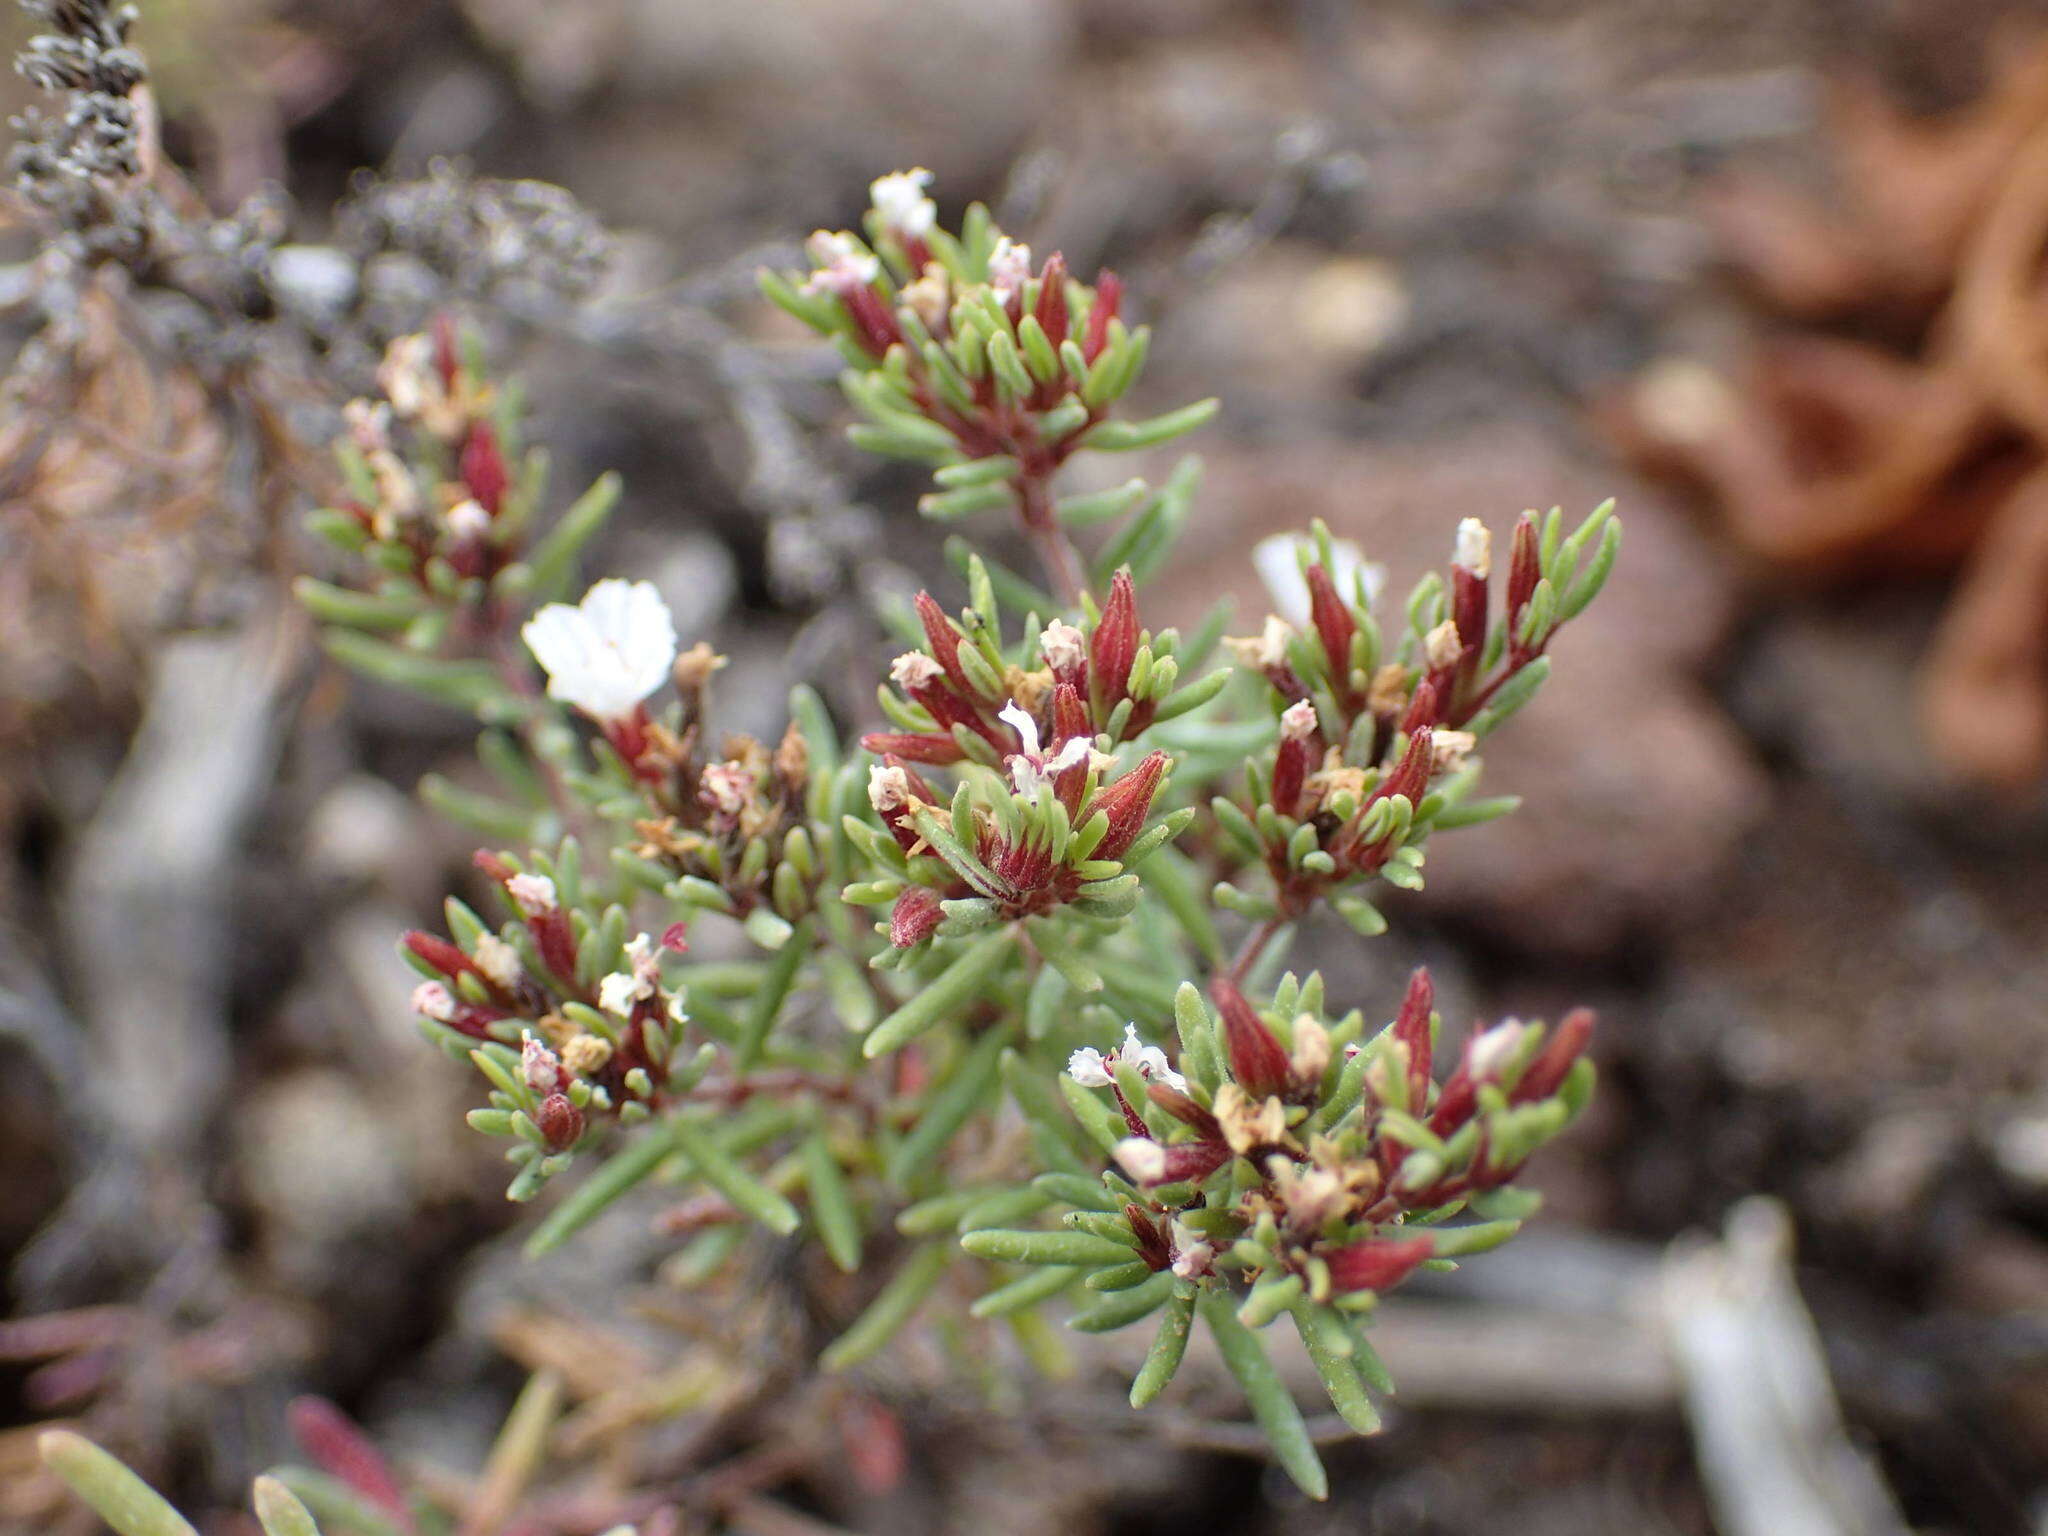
(1014, 1015)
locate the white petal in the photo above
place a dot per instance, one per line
(1019, 719)
(1142, 1158)
(1075, 750)
(618, 992)
(1087, 1067)
(1279, 560)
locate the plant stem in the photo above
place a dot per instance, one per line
(1055, 550)
(1254, 945)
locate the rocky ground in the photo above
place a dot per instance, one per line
(1413, 246)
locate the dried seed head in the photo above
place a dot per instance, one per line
(586, 1055)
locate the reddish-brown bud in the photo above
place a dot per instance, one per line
(1454, 1105)
(1153, 1247)
(560, 1122)
(1560, 1053)
(1069, 717)
(942, 640)
(1185, 1110)
(873, 325)
(556, 940)
(336, 1444)
(483, 467)
(1525, 568)
(446, 957)
(1257, 1060)
(1109, 293)
(1126, 802)
(1052, 299)
(493, 867)
(1114, 644)
(1411, 774)
(1411, 1029)
(935, 749)
(1468, 609)
(1377, 1263)
(916, 915)
(1333, 622)
(1424, 708)
(1290, 772)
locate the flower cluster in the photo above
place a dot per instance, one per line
(964, 352)
(567, 1019)
(441, 524)
(1376, 740)
(1040, 819)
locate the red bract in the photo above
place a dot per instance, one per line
(1114, 644)
(1052, 299)
(916, 914)
(1411, 1029)
(931, 748)
(444, 956)
(942, 640)
(1560, 1053)
(1525, 569)
(483, 467)
(1334, 625)
(1109, 292)
(1376, 1264)
(1126, 802)
(1256, 1058)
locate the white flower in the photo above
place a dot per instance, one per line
(1142, 1158)
(929, 297)
(1087, 1066)
(1094, 1069)
(1266, 649)
(532, 894)
(468, 520)
(540, 1066)
(1298, 721)
(1490, 1053)
(1009, 267)
(899, 198)
(1449, 749)
(843, 265)
(1474, 549)
(1280, 559)
(1192, 1253)
(888, 788)
(1442, 647)
(913, 670)
(433, 1001)
(618, 992)
(609, 652)
(498, 960)
(1030, 768)
(1064, 646)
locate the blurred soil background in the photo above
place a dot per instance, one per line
(1426, 251)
